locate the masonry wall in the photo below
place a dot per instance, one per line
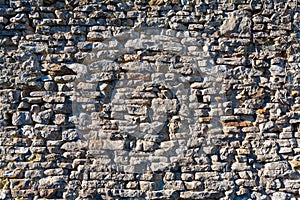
(150, 99)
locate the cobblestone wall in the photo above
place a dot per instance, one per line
(154, 99)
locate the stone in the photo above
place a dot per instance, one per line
(175, 185)
(194, 185)
(54, 172)
(281, 195)
(49, 131)
(42, 117)
(73, 146)
(60, 119)
(62, 108)
(277, 70)
(243, 111)
(295, 163)
(127, 193)
(97, 36)
(33, 174)
(54, 182)
(240, 166)
(178, 26)
(165, 194)
(14, 96)
(200, 195)
(146, 186)
(21, 118)
(237, 23)
(149, 99)
(35, 47)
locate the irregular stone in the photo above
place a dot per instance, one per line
(54, 182)
(165, 194)
(243, 111)
(295, 163)
(51, 132)
(21, 118)
(238, 23)
(201, 195)
(277, 70)
(194, 185)
(33, 173)
(60, 119)
(146, 185)
(34, 47)
(174, 185)
(54, 172)
(281, 196)
(62, 108)
(73, 146)
(42, 117)
(126, 193)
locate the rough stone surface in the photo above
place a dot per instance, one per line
(180, 99)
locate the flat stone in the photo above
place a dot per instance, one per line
(243, 111)
(200, 195)
(73, 146)
(165, 194)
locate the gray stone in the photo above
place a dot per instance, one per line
(70, 135)
(175, 185)
(54, 172)
(42, 117)
(14, 96)
(33, 174)
(162, 194)
(35, 47)
(281, 196)
(243, 111)
(237, 23)
(200, 195)
(181, 99)
(194, 185)
(146, 185)
(277, 70)
(51, 132)
(54, 182)
(21, 118)
(62, 108)
(73, 146)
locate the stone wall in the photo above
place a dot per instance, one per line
(154, 99)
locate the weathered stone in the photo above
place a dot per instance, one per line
(165, 194)
(146, 186)
(175, 185)
(62, 108)
(295, 163)
(200, 195)
(21, 118)
(194, 185)
(243, 111)
(33, 174)
(59, 119)
(54, 182)
(42, 117)
(277, 70)
(49, 131)
(237, 23)
(281, 195)
(54, 172)
(205, 105)
(73, 146)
